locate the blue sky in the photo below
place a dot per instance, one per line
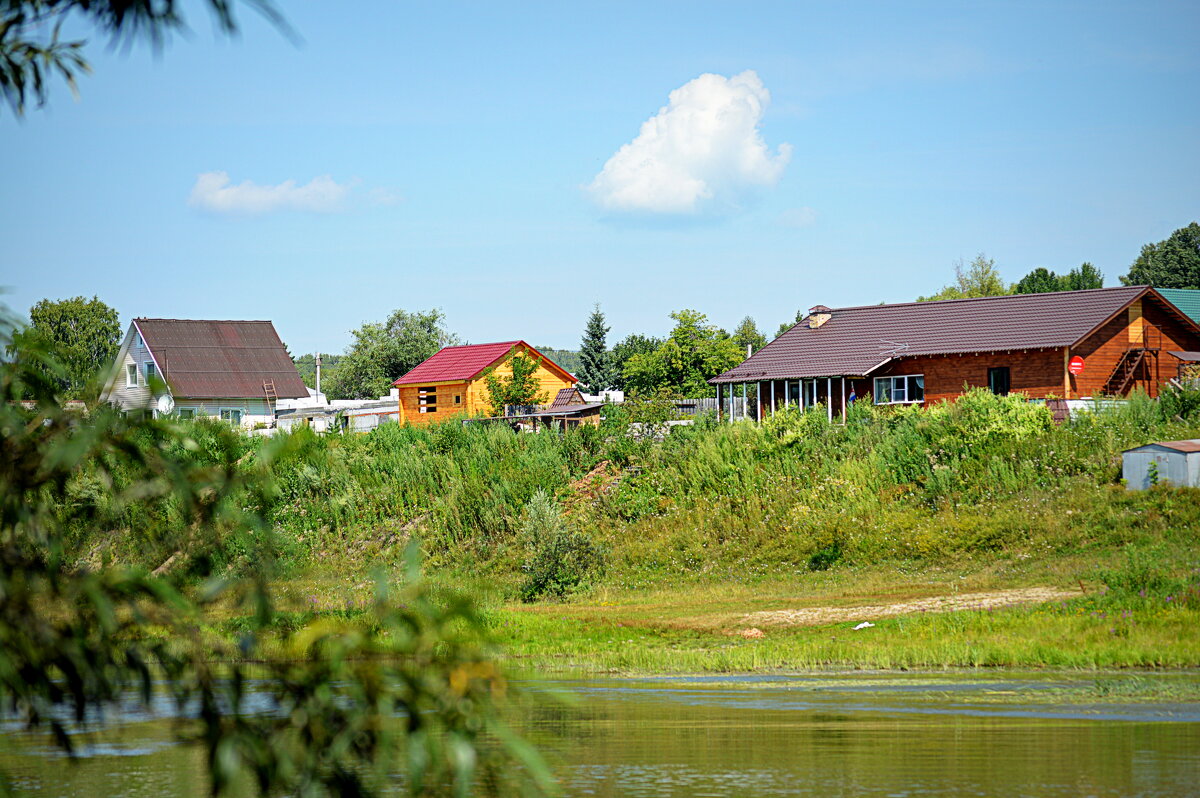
(466, 156)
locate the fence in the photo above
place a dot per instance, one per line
(710, 404)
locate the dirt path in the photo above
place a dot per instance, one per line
(816, 616)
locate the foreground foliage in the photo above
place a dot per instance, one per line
(402, 686)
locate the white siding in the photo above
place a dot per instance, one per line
(130, 398)
(254, 411)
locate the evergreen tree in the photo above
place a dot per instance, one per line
(595, 372)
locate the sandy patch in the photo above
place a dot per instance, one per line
(817, 616)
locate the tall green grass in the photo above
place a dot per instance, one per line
(985, 475)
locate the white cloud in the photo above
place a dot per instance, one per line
(214, 192)
(798, 217)
(701, 152)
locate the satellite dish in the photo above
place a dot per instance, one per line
(165, 404)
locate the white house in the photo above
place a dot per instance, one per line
(237, 370)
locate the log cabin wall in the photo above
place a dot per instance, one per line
(1035, 373)
(550, 382)
(1102, 350)
(444, 406)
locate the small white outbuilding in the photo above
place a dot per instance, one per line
(1174, 462)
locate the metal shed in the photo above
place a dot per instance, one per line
(1174, 462)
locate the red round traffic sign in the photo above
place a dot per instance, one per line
(1076, 365)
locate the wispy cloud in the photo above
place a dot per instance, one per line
(215, 193)
(702, 152)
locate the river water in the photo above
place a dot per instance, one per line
(806, 735)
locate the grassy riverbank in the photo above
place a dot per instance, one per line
(637, 555)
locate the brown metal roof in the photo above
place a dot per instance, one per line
(1190, 357)
(857, 340)
(567, 397)
(221, 359)
(1190, 445)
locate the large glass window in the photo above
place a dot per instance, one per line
(232, 415)
(908, 389)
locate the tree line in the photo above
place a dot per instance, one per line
(86, 333)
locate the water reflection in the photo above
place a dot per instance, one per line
(827, 735)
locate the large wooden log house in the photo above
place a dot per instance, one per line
(1067, 345)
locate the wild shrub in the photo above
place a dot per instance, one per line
(561, 559)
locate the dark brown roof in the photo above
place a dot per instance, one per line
(1190, 445)
(220, 359)
(857, 340)
(566, 398)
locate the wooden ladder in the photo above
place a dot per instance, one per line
(1122, 373)
(272, 396)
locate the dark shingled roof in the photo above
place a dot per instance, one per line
(221, 359)
(857, 340)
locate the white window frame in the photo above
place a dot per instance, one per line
(131, 370)
(904, 390)
(241, 411)
(185, 413)
(137, 341)
(150, 369)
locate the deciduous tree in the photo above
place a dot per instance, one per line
(747, 335)
(85, 334)
(382, 353)
(1172, 263)
(626, 348)
(33, 53)
(694, 352)
(787, 325)
(520, 387)
(979, 278)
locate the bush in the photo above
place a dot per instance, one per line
(561, 559)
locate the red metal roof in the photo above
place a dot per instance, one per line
(466, 362)
(857, 340)
(221, 359)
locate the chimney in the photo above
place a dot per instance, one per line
(818, 315)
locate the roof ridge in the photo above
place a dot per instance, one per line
(207, 321)
(993, 298)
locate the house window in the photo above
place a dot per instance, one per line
(999, 381)
(232, 414)
(137, 341)
(908, 389)
(131, 375)
(151, 371)
(457, 399)
(427, 399)
(186, 413)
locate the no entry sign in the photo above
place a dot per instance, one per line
(1076, 365)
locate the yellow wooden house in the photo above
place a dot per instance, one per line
(451, 383)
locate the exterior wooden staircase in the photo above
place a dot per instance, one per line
(1124, 372)
(1143, 350)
